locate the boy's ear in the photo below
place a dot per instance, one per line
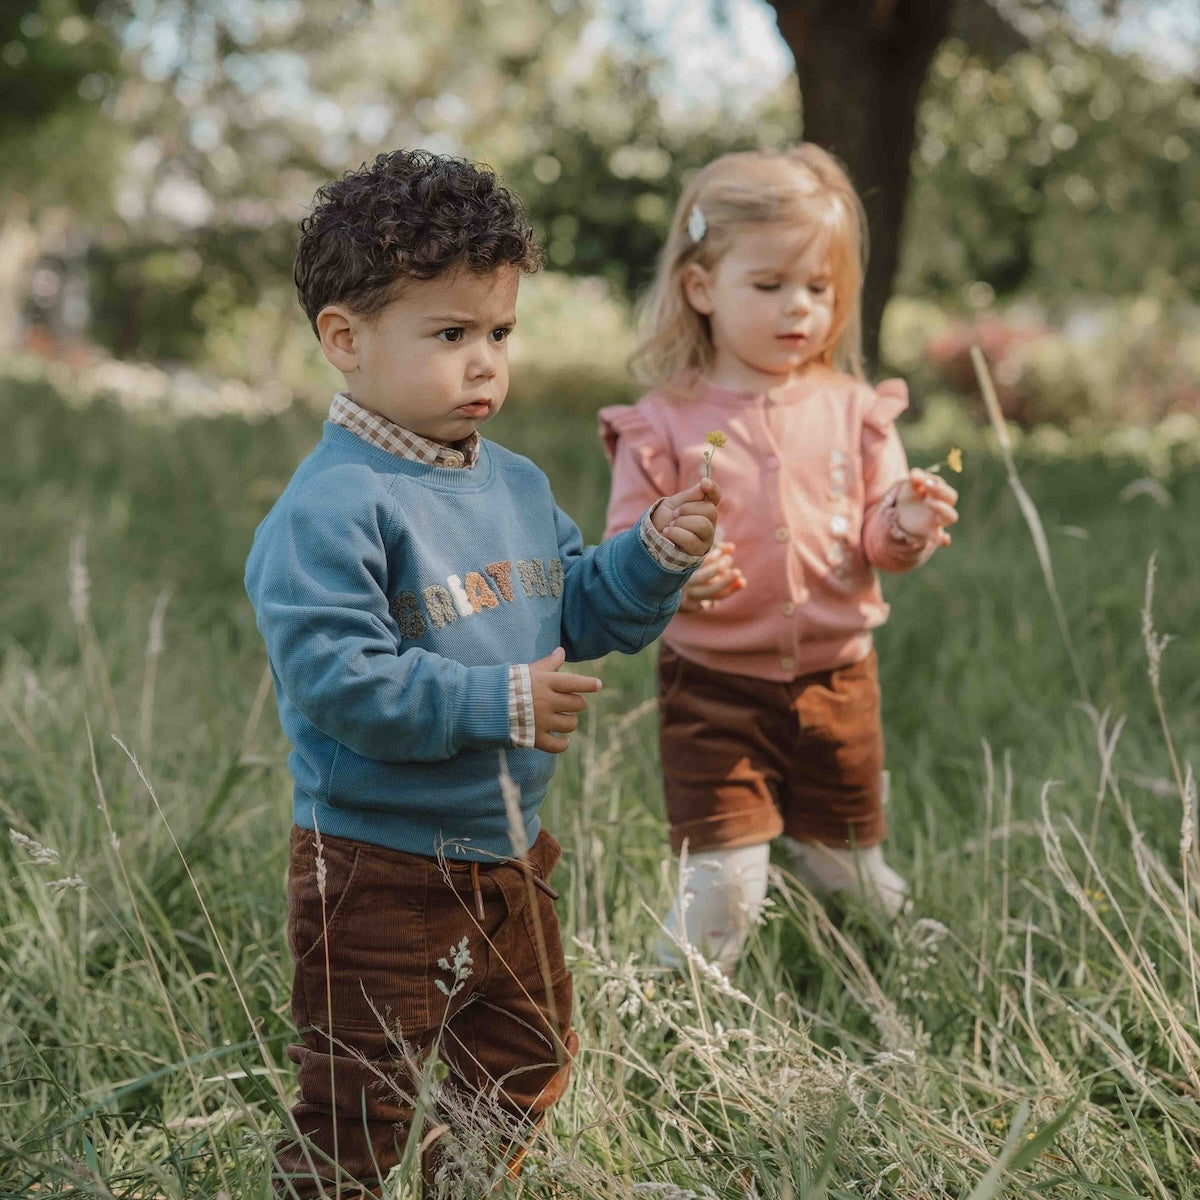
(337, 327)
(697, 288)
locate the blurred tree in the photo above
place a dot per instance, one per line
(196, 131)
(238, 112)
(606, 162)
(1065, 170)
(58, 65)
(862, 65)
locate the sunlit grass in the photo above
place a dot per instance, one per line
(1033, 1025)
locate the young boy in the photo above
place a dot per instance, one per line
(418, 590)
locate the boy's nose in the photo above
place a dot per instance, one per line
(484, 364)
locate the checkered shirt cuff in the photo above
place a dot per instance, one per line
(521, 726)
(662, 549)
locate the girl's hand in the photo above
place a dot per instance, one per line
(689, 518)
(713, 580)
(925, 505)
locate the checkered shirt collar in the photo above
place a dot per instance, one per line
(403, 443)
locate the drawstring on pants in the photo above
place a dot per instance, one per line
(477, 889)
(520, 863)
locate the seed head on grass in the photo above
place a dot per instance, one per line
(39, 854)
(75, 883)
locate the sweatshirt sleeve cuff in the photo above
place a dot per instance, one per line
(481, 707)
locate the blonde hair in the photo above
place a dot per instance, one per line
(805, 186)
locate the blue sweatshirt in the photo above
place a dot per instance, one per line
(393, 597)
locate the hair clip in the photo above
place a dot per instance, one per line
(697, 226)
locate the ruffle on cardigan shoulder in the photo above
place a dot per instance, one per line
(619, 421)
(643, 434)
(889, 401)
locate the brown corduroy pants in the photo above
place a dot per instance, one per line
(418, 959)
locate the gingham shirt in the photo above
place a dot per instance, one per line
(403, 443)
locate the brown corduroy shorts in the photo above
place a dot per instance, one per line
(745, 759)
(418, 958)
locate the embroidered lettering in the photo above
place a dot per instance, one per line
(440, 605)
(554, 573)
(532, 575)
(479, 595)
(501, 573)
(406, 610)
(460, 597)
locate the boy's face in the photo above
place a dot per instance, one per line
(435, 360)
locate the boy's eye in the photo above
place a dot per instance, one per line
(500, 335)
(767, 287)
(454, 334)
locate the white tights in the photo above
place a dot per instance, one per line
(717, 902)
(721, 893)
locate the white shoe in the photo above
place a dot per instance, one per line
(863, 873)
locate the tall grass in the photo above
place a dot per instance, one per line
(1031, 1028)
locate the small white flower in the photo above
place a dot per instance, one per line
(697, 226)
(459, 966)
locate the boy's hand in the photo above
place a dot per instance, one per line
(925, 504)
(689, 518)
(557, 697)
(714, 579)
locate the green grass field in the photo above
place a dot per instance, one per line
(1031, 1029)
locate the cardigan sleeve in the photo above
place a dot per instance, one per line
(885, 466)
(643, 464)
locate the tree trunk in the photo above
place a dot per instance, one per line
(861, 64)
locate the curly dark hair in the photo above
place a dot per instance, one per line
(410, 214)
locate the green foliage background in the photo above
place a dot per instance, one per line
(1065, 174)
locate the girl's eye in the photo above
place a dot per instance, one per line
(767, 287)
(451, 335)
(500, 335)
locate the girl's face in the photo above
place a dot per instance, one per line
(770, 305)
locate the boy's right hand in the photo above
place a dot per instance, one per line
(714, 579)
(557, 697)
(689, 518)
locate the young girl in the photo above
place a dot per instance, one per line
(768, 692)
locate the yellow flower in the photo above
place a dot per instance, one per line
(714, 441)
(953, 460)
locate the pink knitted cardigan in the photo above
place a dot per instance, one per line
(808, 478)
